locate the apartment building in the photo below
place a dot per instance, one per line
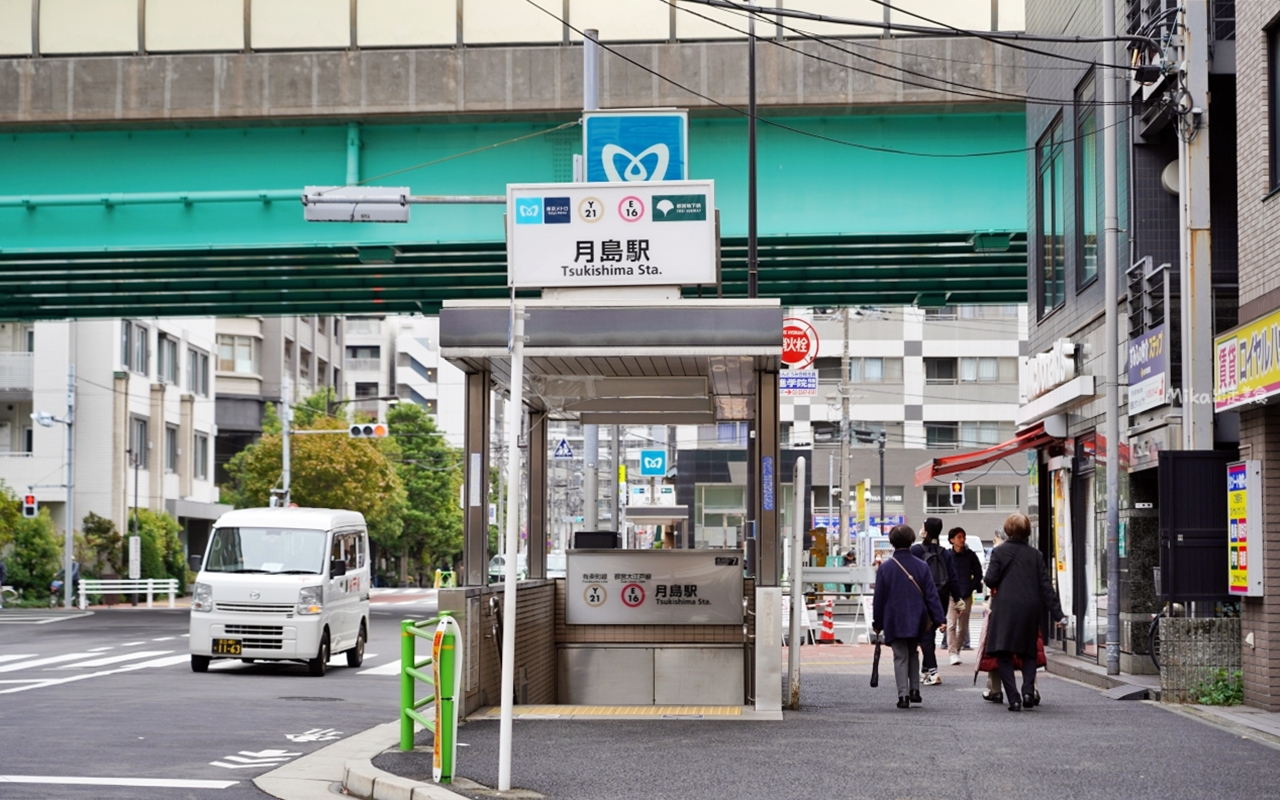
(396, 359)
(144, 418)
(264, 360)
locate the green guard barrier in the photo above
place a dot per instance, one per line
(442, 672)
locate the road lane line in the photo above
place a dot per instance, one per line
(16, 656)
(162, 783)
(102, 649)
(132, 644)
(164, 639)
(389, 668)
(40, 662)
(102, 662)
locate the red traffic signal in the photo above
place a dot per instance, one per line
(30, 507)
(957, 493)
(369, 430)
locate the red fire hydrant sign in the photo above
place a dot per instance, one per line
(799, 343)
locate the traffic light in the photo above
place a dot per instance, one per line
(369, 430)
(957, 493)
(30, 508)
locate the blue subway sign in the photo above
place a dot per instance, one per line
(653, 462)
(636, 146)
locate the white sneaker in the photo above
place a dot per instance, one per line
(931, 679)
(955, 659)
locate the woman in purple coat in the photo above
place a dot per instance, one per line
(905, 607)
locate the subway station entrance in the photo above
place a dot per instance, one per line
(624, 627)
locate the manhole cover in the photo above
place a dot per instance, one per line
(316, 699)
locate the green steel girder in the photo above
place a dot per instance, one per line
(829, 270)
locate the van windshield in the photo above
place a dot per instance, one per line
(268, 551)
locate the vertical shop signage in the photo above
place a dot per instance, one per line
(1244, 528)
(1148, 363)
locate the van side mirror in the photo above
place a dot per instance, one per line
(195, 562)
(337, 568)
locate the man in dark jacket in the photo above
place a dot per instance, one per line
(929, 550)
(906, 608)
(968, 580)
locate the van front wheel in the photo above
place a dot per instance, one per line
(320, 664)
(200, 663)
(355, 656)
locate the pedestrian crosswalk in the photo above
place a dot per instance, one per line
(402, 597)
(21, 672)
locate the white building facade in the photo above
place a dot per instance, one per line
(144, 418)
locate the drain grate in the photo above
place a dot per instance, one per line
(315, 699)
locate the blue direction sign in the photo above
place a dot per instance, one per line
(563, 450)
(633, 146)
(653, 462)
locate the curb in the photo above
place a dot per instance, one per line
(349, 763)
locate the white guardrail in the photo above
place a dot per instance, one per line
(149, 586)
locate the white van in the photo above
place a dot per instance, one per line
(283, 584)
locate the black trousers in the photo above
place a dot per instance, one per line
(1004, 663)
(928, 653)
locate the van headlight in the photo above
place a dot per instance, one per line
(202, 598)
(310, 600)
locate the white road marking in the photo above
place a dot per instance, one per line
(389, 668)
(40, 662)
(163, 783)
(167, 661)
(102, 662)
(132, 644)
(16, 656)
(262, 758)
(28, 619)
(102, 649)
(164, 639)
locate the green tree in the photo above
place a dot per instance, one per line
(328, 471)
(104, 544)
(36, 555)
(161, 547)
(431, 471)
(10, 513)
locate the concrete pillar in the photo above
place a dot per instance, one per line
(155, 453)
(186, 445)
(475, 532)
(767, 494)
(537, 494)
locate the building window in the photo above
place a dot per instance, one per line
(875, 370)
(985, 369)
(937, 499)
(139, 442)
(363, 351)
(288, 356)
(322, 372)
(1273, 92)
(28, 340)
(366, 390)
(140, 357)
(201, 462)
(198, 372)
(939, 370)
(238, 354)
(304, 364)
(126, 344)
(979, 434)
(28, 440)
(731, 433)
(1050, 219)
(1089, 208)
(166, 359)
(170, 449)
(941, 435)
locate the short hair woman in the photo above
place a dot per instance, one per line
(905, 607)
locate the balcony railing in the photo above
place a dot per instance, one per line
(17, 371)
(363, 364)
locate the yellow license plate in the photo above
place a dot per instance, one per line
(226, 647)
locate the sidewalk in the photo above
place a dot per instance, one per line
(849, 741)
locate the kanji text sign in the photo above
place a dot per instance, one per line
(653, 587)
(611, 234)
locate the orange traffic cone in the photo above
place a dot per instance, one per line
(828, 635)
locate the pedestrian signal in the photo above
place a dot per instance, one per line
(30, 508)
(369, 430)
(957, 493)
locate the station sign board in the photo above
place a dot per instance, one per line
(636, 146)
(653, 587)
(653, 462)
(611, 234)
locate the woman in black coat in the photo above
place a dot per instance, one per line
(1020, 590)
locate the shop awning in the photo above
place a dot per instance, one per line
(1044, 432)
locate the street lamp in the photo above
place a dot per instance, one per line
(46, 420)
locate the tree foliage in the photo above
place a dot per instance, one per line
(328, 471)
(104, 544)
(432, 475)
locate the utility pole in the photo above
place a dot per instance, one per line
(845, 433)
(286, 416)
(1193, 190)
(1111, 344)
(68, 545)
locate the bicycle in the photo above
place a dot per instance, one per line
(1153, 632)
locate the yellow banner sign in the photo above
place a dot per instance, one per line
(1247, 363)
